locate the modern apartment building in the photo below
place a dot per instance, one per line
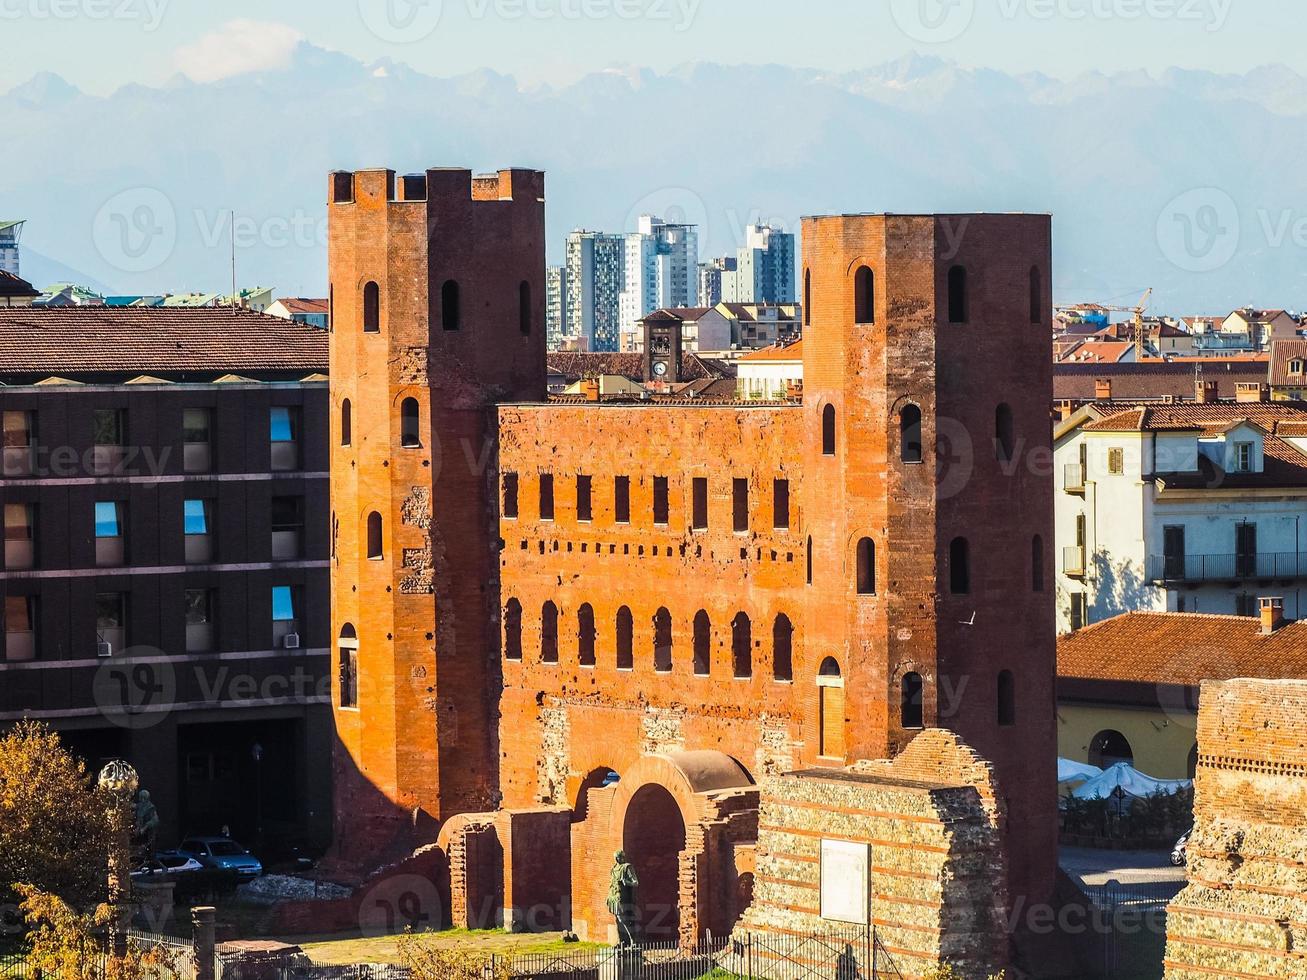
(710, 280)
(764, 268)
(555, 305)
(661, 271)
(10, 233)
(165, 582)
(595, 275)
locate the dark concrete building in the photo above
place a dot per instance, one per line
(165, 576)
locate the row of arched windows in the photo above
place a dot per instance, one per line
(912, 714)
(959, 308)
(451, 307)
(911, 446)
(664, 642)
(410, 423)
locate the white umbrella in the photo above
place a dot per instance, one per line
(1130, 781)
(1070, 772)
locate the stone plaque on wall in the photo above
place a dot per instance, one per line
(845, 881)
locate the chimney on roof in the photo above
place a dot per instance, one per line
(1206, 392)
(1272, 615)
(1103, 389)
(1247, 393)
(590, 388)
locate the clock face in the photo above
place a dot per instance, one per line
(660, 369)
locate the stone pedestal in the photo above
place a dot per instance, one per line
(622, 963)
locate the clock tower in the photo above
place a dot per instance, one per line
(662, 348)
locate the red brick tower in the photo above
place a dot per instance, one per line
(927, 385)
(437, 286)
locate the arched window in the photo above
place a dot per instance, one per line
(959, 567)
(346, 422)
(957, 295)
(662, 623)
(371, 308)
(549, 634)
(782, 643)
(348, 648)
(1004, 439)
(1108, 748)
(809, 559)
(866, 562)
(828, 431)
(742, 646)
(1037, 564)
(513, 630)
(910, 448)
(524, 308)
(1007, 699)
(625, 640)
(585, 635)
(451, 313)
(410, 424)
(1036, 295)
(864, 296)
(807, 297)
(375, 547)
(911, 712)
(830, 705)
(702, 644)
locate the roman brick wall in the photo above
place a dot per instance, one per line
(1244, 911)
(936, 867)
(420, 745)
(561, 722)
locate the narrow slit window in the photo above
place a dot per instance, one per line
(699, 492)
(375, 548)
(510, 496)
(910, 446)
(625, 639)
(740, 504)
(660, 506)
(828, 431)
(451, 306)
(912, 714)
(513, 630)
(622, 499)
(371, 308)
(864, 296)
(742, 646)
(781, 505)
(866, 562)
(410, 424)
(663, 641)
(584, 510)
(783, 649)
(546, 496)
(957, 295)
(549, 634)
(585, 635)
(702, 644)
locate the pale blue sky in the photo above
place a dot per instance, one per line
(102, 44)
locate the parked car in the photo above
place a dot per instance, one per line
(222, 854)
(1180, 853)
(167, 863)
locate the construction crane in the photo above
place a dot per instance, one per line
(1140, 337)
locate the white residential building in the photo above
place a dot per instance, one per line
(661, 272)
(764, 268)
(1188, 507)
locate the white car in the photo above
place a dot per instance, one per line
(167, 863)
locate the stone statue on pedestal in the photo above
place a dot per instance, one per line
(145, 829)
(623, 889)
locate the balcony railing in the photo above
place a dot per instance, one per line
(1073, 480)
(1227, 568)
(1073, 561)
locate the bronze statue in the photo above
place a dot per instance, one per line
(622, 891)
(145, 829)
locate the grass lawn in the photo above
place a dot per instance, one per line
(385, 949)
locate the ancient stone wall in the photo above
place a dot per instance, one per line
(937, 869)
(1244, 911)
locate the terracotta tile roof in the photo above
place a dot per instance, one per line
(1154, 378)
(1282, 352)
(14, 287)
(1098, 352)
(106, 340)
(1181, 649)
(1192, 415)
(301, 305)
(776, 352)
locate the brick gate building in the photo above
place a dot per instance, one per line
(631, 613)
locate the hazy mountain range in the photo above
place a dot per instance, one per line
(722, 145)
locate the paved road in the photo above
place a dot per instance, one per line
(1094, 867)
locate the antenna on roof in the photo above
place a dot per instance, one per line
(234, 298)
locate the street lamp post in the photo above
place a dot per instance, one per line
(120, 782)
(256, 752)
